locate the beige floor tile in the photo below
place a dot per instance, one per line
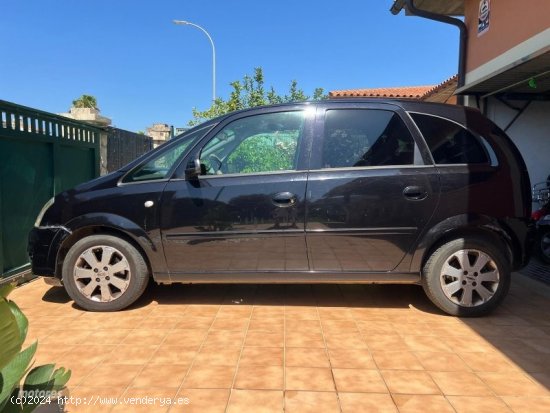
(145, 337)
(490, 362)
(409, 382)
(66, 337)
(160, 375)
(264, 339)
(306, 357)
(108, 336)
(470, 344)
(396, 360)
(308, 378)
(471, 404)
(273, 325)
(352, 359)
(167, 354)
(135, 354)
(528, 404)
(345, 340)
(232, 324)
(224, 338)
(359, 380)
(385, 342)
(375, 327)
(260, 378)
(194, 323)
(414, 403)
(260, 401)
(310, 326)
(304, 339)
(442, 361)
(366, 402)
(218, 356)
(160, 322)
(261, 356)
(202, 400)
(513, 384)
(425, 343)
(185, 337)
(112, 375)
(460, 383)
(209, 377)
(311, 402)
(339, 326)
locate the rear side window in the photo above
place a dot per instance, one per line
(449, 142)
(365, 137)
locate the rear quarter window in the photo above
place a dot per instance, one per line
(451, 143)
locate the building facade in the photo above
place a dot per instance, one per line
(506, 49)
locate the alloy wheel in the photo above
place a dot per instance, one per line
(102, 273)
(469, 278)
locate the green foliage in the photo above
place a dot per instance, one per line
(264, 153)
(251, 92)
(86, 101)
(15, 363)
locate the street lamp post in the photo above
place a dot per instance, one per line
(186, 23)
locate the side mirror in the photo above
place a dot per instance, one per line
(194, 169)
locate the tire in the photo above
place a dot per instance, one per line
(99, 282)
(467, 277)
(543, 245)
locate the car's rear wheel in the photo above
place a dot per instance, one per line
(104, 273)
(543, 242)
(466, 277)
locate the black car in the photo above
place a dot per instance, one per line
(338, 191)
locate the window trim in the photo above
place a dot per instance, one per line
(395, 110)
(207, 129)
(480, 139)
(309, 113)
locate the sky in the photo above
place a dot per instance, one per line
(143, 69)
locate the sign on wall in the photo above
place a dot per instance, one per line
(484, 17)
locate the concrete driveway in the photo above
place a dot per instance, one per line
(296, 348)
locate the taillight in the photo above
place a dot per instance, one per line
(538, 214)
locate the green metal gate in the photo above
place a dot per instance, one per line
(41, 154)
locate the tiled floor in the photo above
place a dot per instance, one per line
(301, 348)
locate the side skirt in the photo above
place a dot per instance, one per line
(288, 278)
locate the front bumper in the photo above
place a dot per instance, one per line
(44, 243)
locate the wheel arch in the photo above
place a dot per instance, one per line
(461, 226)
(94, 224)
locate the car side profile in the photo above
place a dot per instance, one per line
(337, 191)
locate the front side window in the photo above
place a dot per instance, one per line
(260, 143)
(449, 142)
(365, 137)
(159, 166)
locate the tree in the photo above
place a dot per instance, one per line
(251, 92)
(86, 101)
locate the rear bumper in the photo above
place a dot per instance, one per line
(44, 243)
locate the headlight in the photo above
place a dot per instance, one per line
(42, 212)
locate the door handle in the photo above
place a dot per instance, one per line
(284, 199)
(415, 193)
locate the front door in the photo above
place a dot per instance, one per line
(245, 213)
(369, 192)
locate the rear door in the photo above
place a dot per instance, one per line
(370, 192)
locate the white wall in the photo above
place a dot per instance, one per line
(530, 132)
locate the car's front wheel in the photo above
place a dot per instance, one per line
(104, 273)
(466, 277)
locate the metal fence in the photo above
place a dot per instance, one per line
(124, 146)
(41, 154)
